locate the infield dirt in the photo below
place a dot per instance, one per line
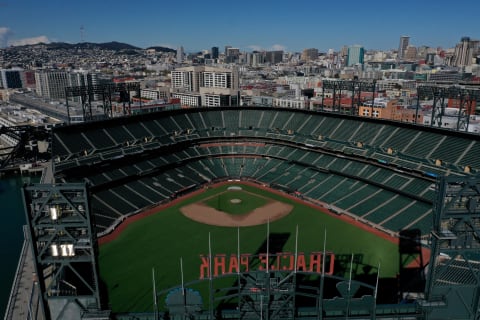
(202, 213)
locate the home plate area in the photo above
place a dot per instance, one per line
(232, 208)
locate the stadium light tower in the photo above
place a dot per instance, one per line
(64, 249)
(107, 92)
(453, 283)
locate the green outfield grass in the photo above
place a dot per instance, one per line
(248, 201)
(159, 241)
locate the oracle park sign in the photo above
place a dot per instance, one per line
(223, 264)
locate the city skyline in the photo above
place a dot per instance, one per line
(248, 25)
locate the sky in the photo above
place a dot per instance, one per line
(248, 24)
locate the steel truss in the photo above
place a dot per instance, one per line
(64, 249)
(88, 93)
(453, 281)
(354, 87)
(466, 101)
(267, 295)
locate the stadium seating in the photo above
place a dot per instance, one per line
(288, 147)
(450, 149)
(471, 158)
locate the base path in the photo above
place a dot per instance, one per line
(270, 212)
(320, 206)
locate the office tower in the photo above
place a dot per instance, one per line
(51, 84)
(226, 50)
(355, 55)
(231, 54)
(257, 58)
(180, 54)
(214, 52)
(310, 54)
(274, 57)
(402, 48)
(465, 51)
(10, 78)
(410, 53)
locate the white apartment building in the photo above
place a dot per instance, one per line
(188, 99)
(155, 94)
(52, 84)
(215, 86)
(292, 102)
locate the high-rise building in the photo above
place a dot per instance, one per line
(180, 54)
(10, 78)
(342, 59)
(274, 57)
(214, 52)
(226, 50)
(402, 47)
(231, 54)
(310, 54)
(355, 55)
(257, 58)
(410, 53)
(465, 51)
(206, 86)
(51, 84)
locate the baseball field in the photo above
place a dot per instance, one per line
(158, 239)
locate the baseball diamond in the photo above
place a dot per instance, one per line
(184, 220)
(237, 209)
(234, 209)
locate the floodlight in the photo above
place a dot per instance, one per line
(54, 249)
(54, 213)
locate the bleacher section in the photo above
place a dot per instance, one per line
(378, 171)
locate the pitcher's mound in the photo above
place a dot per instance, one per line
(204, 214)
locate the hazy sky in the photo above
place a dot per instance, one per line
(246, 24)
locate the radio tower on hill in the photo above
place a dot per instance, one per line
(82, 34)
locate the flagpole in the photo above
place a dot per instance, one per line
(376, 290)
(238, 249)
(209, 257)
(155, 311)
(210, 274)
(349, 288)
(350, 278)
(181, 272)
(239, 288)
(268, 243)
(184, 295)
(324, 252)
(296, 250)
(322, 278)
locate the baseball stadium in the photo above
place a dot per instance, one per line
(258, 213)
